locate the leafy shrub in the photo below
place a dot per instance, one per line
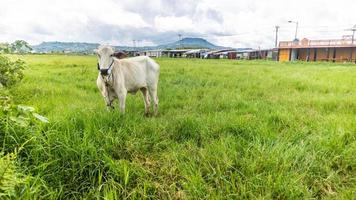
(10, 178)
(11, 114)
(10, 72)
(14, 118)
(18, 115)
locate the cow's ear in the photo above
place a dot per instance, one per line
(123, 55)
(119, 55)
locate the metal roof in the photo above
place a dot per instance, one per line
(177, 50)
(196, 51)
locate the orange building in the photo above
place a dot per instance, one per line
(318, 50)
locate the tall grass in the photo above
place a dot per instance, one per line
(225, 130)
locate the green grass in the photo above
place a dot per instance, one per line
(226, 130)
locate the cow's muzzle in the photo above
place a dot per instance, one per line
(105, 72)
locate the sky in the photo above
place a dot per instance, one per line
(232, 23)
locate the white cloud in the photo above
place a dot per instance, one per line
(235, 23)
(172, 23)
(40, 20)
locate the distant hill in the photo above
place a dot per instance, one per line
(190, 43)
(83, 47)
(77, 47)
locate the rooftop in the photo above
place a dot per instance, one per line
(305, 43)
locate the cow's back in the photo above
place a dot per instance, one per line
(140, 71)
(142, 60)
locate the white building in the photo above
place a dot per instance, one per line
(152, 53)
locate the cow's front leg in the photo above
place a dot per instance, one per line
(108, 99)
(122, 99)
(109, 105)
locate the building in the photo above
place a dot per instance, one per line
(264, 54)
(243, 54)
(151, 53)
(232, 55)
(216, 54)
(341, 50)
(228, 54)
(195, 53)
(258, 54)
(175, 53)
(132, 53)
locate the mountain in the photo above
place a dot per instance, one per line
(77, 47)
(189, 43)
(83, 47)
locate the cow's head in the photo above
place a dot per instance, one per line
(105, 59)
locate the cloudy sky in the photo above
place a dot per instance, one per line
(235, 23)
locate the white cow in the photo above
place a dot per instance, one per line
(117, 77)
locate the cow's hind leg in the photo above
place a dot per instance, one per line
(154, 97)
(146, 99)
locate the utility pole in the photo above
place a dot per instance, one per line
(276, 41)
(180, 40)
(134, 47)
(352, 42)
(134, 44)
(353, 29)
(296, 28)
(259, 53)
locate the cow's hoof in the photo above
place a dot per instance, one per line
(110, 108)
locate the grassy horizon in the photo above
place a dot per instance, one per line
(225, 130)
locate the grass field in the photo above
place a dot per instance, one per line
(225, 130)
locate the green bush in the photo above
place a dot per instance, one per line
(9, 177)
(10, 71)
(16, 123)
(12, 115)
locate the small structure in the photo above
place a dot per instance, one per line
(231, 54)
(132, 53)
(318, 50)
(243, 54)
(217, 54)
(175, 53)
(152, 53)
(195, 53)
(263, 54)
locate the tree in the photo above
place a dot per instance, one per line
(20, 46)
(5, 48)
